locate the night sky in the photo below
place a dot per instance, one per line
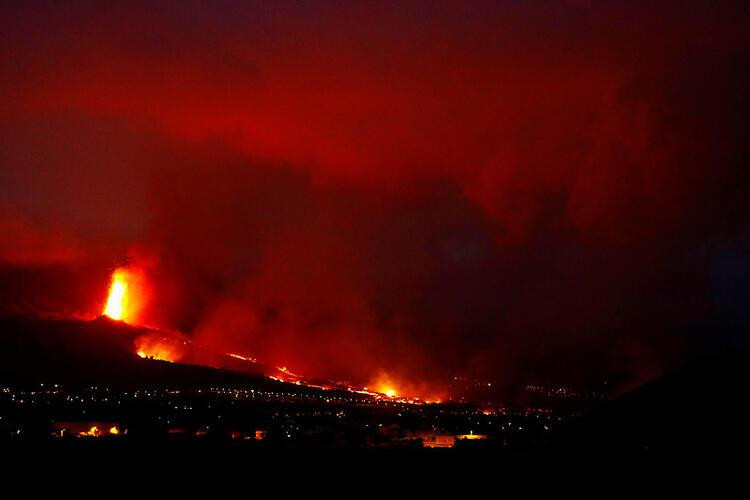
(516, 191)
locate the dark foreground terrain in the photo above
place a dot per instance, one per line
(67, 390)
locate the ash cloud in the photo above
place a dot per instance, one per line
(512, 192)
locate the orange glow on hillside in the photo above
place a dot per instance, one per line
(384, 384)
(161, 347)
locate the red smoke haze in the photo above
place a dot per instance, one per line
(497, 190)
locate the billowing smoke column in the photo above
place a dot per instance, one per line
(507, 193)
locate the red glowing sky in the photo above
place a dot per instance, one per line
(490, 188)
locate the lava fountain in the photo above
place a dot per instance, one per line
(126, 295)
(117, 297)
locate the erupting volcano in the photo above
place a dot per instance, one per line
(127, 297)
(490, 203)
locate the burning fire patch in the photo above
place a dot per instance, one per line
(162, 346)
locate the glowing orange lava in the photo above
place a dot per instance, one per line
(162, 346)
(94, 431)
(117, 299)
(384, 385)
(126, 295)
